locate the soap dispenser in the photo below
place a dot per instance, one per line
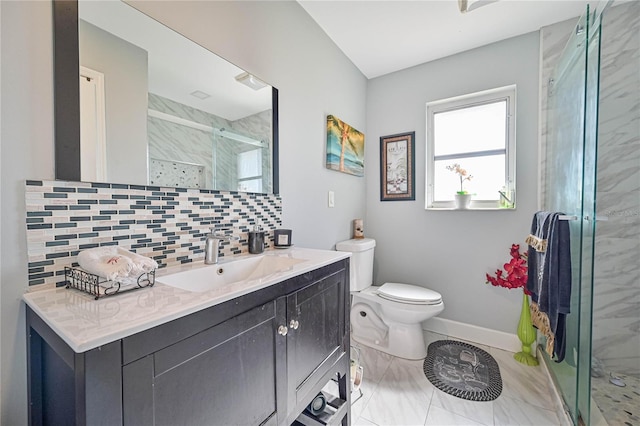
(256, 240)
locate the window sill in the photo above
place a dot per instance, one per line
(471, 209)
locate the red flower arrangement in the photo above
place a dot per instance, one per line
(516, 271)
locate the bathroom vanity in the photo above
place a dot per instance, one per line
(251, 352)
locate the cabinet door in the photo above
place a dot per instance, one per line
(225, 375)
(316, 316)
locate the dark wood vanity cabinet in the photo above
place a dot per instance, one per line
(258, 359)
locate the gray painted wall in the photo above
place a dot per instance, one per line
(450, 251)
(26, 143)
(124, 66)
(277, 41)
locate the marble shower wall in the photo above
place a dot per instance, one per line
(616, 304)
(176, 151)
(616, 307)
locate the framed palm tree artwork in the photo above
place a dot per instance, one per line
(345, 147)
(397, 163)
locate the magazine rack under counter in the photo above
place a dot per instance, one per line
(258, 358)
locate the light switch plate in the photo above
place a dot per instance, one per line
(332, 199)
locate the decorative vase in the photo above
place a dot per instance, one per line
(526, 334)
(462, 201)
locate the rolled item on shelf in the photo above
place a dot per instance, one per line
(115, 264)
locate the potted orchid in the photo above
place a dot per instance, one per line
(515, 275)
(462, 197)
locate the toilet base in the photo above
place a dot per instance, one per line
(404, 341)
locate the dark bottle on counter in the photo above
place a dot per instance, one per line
(256, 240)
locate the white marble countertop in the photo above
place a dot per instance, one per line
(84, 323)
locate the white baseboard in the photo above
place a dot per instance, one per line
(473, 333)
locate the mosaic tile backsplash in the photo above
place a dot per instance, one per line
(167, 224)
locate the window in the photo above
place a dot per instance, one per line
(250, 171)
(476, 131)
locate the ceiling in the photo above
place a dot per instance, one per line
(381, 37)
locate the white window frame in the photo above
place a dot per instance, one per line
(507, 93)
(252, 177)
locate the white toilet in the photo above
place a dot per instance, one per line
(389, 317)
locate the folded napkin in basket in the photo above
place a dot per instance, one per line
(115, 264)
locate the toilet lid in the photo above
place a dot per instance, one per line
(406, 293)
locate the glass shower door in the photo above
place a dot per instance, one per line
(570, 188)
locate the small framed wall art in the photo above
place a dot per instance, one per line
(397, 164)
(345, 147)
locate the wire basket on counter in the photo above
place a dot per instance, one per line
(98, 287)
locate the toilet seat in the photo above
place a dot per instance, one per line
(411, 294)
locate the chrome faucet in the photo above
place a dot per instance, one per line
(212, 246)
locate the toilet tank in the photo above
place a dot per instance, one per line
(361, 275)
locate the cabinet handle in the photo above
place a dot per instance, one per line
(294, 324)
(283, 330)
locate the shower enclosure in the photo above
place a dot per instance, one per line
(592, 174)
(240, 162)
(189, 154)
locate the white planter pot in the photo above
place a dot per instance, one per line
(462, 201)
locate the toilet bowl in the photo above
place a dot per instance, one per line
(389, 317)
(393, 326)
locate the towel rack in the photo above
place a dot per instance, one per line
(598, 218)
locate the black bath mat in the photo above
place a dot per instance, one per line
(463, 370)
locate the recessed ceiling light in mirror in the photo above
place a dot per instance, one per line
(250, 81)
(200, 95)
(469, 5)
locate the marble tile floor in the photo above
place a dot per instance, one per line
(397, 393)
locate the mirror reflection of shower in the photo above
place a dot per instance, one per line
(243, 157)
(133, 63)
(209, 157)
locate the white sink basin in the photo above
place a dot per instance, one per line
(223, 274)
